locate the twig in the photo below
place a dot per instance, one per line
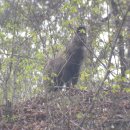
(108, 66)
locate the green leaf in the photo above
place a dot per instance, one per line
(82, 88)
(127, 90)
(115, 88)
(73, 9)
(79, 115)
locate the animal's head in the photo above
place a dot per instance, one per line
(81, 30)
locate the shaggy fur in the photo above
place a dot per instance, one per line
(65, 69)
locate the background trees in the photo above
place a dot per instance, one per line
(32, 31)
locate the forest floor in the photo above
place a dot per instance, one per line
(75, 110)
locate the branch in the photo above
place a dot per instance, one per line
(108, 66)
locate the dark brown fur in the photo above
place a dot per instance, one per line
(65, 69)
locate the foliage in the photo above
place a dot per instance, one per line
(29, 36)
(33, 31)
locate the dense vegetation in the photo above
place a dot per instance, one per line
(33, 31)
